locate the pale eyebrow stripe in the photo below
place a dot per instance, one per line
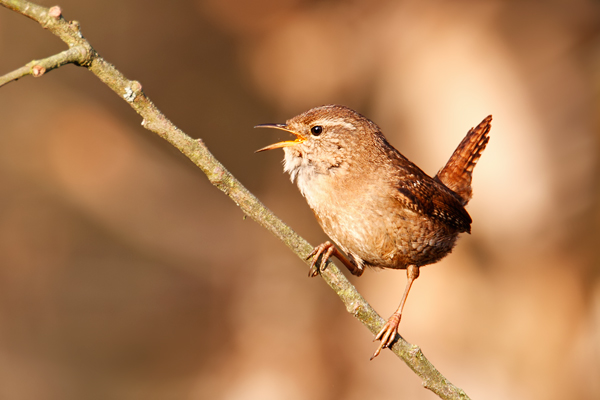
(335, 122)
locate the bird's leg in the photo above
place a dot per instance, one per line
(387, 334)
(326, 250)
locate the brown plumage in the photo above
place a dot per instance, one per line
(458, 171)
(377, 206)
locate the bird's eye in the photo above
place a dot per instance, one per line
(316, 130)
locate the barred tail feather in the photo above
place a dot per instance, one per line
(458, 172)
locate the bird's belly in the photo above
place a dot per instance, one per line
(418, 241)
(372, 229)
(387, 240)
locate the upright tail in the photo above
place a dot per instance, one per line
(458, 171)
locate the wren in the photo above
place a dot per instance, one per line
(381, 209)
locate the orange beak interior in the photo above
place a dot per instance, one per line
(287, 143)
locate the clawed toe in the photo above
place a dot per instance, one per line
(313, 270)
(387, 334)
(317, 253)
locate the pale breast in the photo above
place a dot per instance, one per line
(372, 228)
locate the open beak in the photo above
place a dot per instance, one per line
(287, 143)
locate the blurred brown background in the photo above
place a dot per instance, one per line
(125, 275)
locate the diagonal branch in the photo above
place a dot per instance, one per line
(81, 53)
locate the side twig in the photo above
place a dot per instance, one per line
(38, 68)
(81, 53)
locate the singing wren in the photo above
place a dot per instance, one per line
(380, 209)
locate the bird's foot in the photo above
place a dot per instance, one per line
(387, 334)
(324, 251)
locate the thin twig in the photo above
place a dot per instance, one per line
(38, 68)
(81, 53)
